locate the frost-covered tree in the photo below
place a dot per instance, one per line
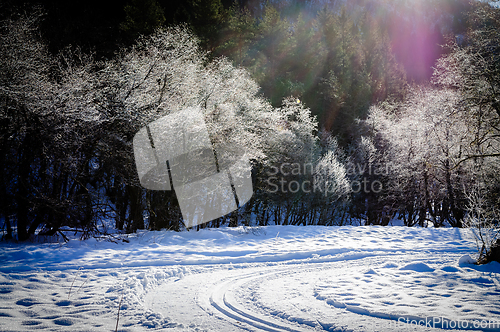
(49, 121)
(25, 95)
(472, 67)
(68, 123)
(366, 171)
(166, 73)
(332, 201)
(483, 220)
(443, 140)
(425, 138)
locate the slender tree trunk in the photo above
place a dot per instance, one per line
(136, 209)
(22, 191)
(424, 201)
(5, 205)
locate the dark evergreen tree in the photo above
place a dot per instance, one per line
(142, 17)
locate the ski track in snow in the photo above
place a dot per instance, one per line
(267, 279)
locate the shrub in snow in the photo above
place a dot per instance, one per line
(484, 222)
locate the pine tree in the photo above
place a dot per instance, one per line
(142, 17)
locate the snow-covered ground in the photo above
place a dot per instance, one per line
(247, 279)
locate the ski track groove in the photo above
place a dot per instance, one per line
(223, 301)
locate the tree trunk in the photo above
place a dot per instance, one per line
(136, 209)
(23, 192)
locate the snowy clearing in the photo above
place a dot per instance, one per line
(272, 278)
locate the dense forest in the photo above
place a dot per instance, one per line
(356, 111)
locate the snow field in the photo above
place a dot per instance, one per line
(251, 279)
